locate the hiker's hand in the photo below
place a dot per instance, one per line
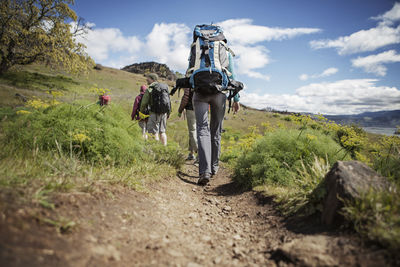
(235, 107)
(179, 114)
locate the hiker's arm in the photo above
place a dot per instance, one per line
(185, 100)
(145, 101)
(135, 107)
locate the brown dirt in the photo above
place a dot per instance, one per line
(176, 223)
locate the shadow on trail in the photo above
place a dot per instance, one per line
(308, 225)
(184, 178)
(228, 189)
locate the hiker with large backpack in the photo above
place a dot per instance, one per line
(156, 99)
(139, 116)
(211, 75)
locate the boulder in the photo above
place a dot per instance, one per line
(307, 251)
(347, 180)
(162, 70)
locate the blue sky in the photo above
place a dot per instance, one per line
(326, 56)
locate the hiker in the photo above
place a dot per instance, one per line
(187, 104)
(211, 73)
(137, 115)
(156, 99)
(104, 99)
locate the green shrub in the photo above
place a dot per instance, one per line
(386, 157)
(278, 155)
(376, 216)
(95, 134)
(309, 189)
(172, 154)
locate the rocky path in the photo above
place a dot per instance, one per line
(176, 223)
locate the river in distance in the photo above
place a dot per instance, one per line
(379, 130)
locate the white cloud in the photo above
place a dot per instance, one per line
(242, 31)
(340, 97)
(367, 40)
(303, 77)
(325, 73)
(102, 43)
(244, 38)
(390, 16)
(361, 41)
(169, 43)
(374, 63)
(329, 72)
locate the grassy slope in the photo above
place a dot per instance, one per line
(61, 172)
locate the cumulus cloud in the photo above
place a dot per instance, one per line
(245, 38)
(242, 31)
(169, 43)
(385, 33)
(361, 41)
(340, 97)
(375, 63)
(390, 16)
(325, 73)
(101, 43)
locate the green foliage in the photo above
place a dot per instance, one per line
(386, 157)
(235, 144)
(376, 216)
(95, 134)
(171, 154)
(37, 81)
(39, 31)
(275, 157)
(309, 189)
(351, 138)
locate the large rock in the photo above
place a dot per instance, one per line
(347, 180)
(307, 251)
(161, 70)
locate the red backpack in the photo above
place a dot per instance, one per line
(104, 99)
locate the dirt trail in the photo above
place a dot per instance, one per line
(176, 224)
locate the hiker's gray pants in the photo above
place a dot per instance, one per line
(191, 123)
(209, 135)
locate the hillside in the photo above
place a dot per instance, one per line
(384, 119)
(80, 187)
(162, 70)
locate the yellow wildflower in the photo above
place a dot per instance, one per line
(23, 112)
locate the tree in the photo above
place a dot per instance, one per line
(41, 31)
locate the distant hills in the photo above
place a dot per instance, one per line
(383, 119)
(162, 70)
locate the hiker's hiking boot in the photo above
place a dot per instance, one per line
(190, 157)
(204, 179)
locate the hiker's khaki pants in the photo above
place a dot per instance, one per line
(191, 123)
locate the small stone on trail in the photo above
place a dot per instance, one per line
(102, 214)
(237, 237)
(194, 190)
(206, 239)
(227, 208)
(237, 253)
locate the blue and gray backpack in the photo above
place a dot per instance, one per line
(208, 64)
(209, 60)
